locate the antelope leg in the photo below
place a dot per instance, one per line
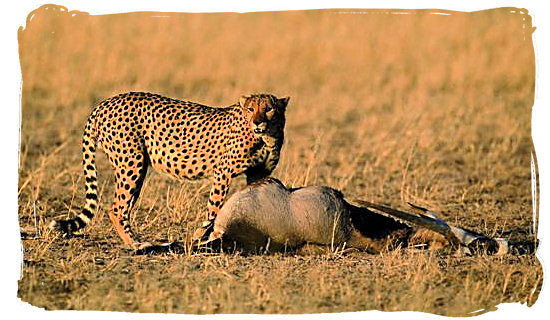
(467, 237)
(438, 226)
(455, 235)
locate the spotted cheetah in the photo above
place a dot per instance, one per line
(182, 139)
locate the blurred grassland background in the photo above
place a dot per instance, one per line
(433, 109)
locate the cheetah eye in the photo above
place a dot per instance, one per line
(250, 109)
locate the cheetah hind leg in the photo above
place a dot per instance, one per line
(127, 190)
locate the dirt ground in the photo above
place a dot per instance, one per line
(425, 108)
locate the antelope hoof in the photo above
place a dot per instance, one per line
(203, 232)
(139, 246)
(215, 235)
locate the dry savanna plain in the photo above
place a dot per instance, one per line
(432, 109)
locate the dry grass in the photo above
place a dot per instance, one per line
(432, 109)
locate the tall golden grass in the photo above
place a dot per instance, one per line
(428, 108)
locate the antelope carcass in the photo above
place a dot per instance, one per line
(268, 214)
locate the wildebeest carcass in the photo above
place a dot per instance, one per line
(268, 215)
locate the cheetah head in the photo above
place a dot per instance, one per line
(265, 112)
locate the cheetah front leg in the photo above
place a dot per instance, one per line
(218, 192)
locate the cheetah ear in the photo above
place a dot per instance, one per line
(243, 100)
(284, 101)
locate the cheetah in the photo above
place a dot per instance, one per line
(183, 139)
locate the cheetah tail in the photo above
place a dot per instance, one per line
(89, 145)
